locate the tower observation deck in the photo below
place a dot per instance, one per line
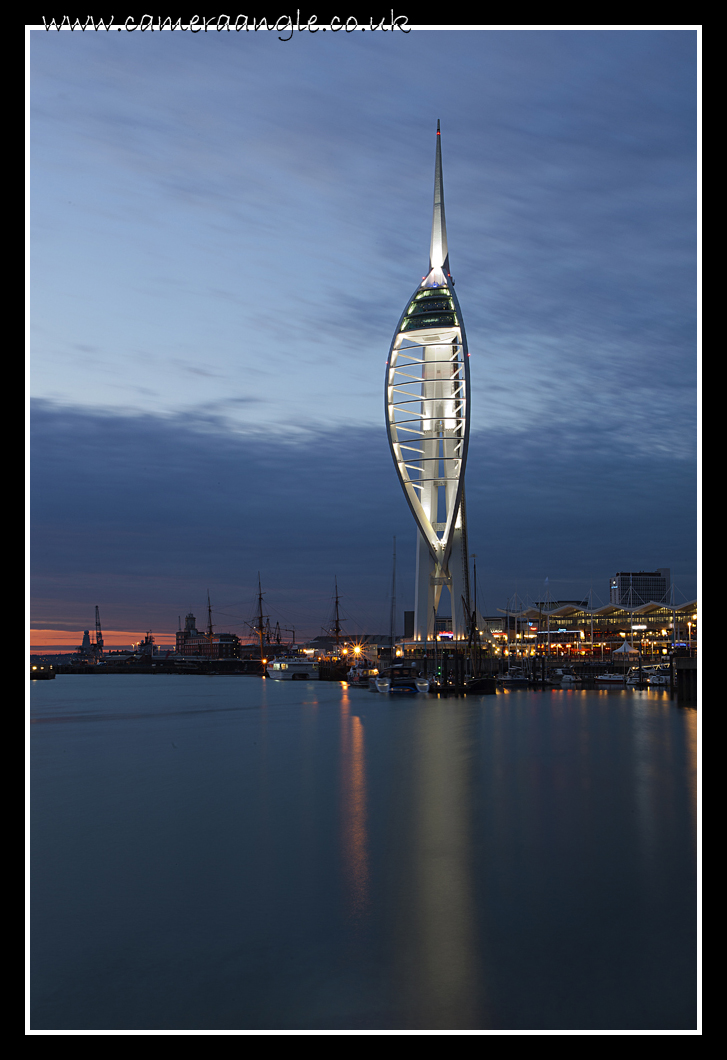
(427, 409)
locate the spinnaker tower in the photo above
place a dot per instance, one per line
(427, 402)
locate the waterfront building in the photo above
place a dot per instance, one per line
(639, 587)
(370, 643)
(571, 627)
(655, 627)
(190, 641)
(427, 407)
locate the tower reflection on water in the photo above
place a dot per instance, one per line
(423, 895)
(354, 838)
(439, 930)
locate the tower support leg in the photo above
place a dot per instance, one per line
(426, 594)
(459, 585)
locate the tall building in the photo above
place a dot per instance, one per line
(428, 418)
(633, 588)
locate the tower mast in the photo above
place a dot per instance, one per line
(438, 250)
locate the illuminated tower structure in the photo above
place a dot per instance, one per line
(428, 418)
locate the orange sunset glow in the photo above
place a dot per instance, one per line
(64, 640)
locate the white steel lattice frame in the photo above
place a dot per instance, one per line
(428, 419)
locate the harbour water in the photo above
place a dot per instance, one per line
(227, 853)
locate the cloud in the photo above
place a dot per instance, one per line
(278, 240)
(143, 514)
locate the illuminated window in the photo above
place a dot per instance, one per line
(432, 305)
(431, 292)
(441, 320)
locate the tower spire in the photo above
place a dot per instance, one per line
(438, 252)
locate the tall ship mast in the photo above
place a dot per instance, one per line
(337, 623)
(260, 621)
(427, 408)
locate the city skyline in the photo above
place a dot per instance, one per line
(214, 285)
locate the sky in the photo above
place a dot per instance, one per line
(224, 230)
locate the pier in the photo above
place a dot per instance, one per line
(686, 680)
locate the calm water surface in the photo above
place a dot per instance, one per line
(231, 853)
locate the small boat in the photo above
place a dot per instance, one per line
(610, 679)
(360, 676)
(399, 680)
(650, 675)
(660, 675)
(294, 667)
(514, 676)
(564, 676)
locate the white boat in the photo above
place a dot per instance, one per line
(564, 676)
(658, 679)
(660, 675)
(296, 667)
(650, 675)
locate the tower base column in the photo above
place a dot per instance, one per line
(426, 592)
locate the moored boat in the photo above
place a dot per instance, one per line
(294, 667)
(564, 676)
(360, 676)
(652, 675)
(399, 680)
(659, 679)
(514, 676)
